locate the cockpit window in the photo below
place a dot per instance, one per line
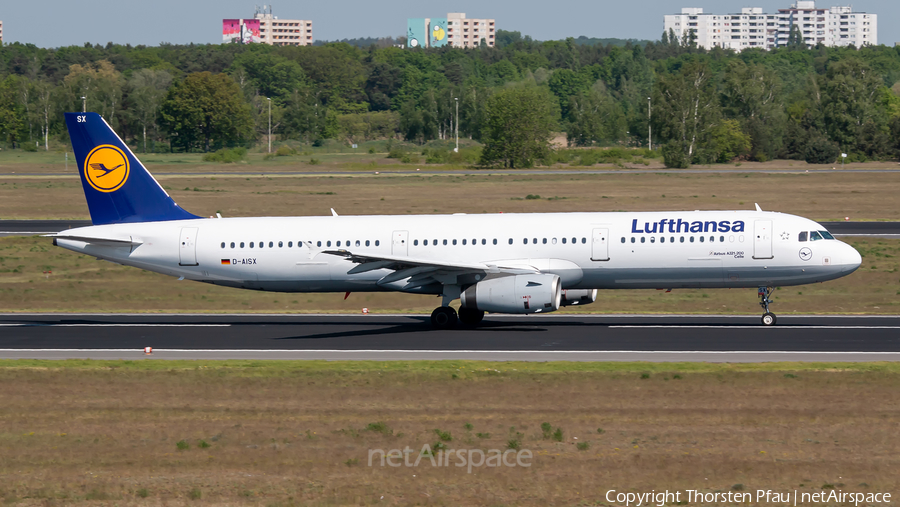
(814, 236)
(826, 234)
(803, 236)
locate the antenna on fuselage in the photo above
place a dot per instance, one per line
(757, 207)
(334, 213)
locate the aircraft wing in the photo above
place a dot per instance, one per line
(422, 272)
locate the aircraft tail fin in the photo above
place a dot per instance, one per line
(117, 186)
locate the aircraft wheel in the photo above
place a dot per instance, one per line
(470, 316)
(443, 318)
(768, 319)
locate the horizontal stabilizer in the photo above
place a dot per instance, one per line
(96, 240)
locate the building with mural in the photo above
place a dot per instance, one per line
(455, 30)
(265, 28)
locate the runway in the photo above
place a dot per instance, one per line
(34, 227)
(410, 337)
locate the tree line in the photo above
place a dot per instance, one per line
(702, 106)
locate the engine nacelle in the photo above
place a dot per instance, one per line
(518, 294)
(572, 297)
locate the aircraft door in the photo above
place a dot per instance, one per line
(187, 247)
(762, 239)
(400, 244)
(600, 245)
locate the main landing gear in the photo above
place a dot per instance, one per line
(768, 318)
(446, 317)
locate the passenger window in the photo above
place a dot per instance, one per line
(524, 241)
(337, 244)
(464, 242)
(682, 239)
(623, 239)
(367, 242)
(357, 242)
(534, 241)
(242, 244)
(553, 241)
(672, 239)
(653, 239)
(425, 242)
(702, 239)
(814, 236)
(721, 239)
(483, 241)
(643, 239)
(415, 242)
(377, 242)
(318, 243)
(280, 244)
(232, 244)
(272, 244)
(223, 244)
(474, 242)
(328, 243)
(251, 244)
(826, 234)
(692, 239)
(545, 241)
(662, 239)
(564, 241)
(712, 239)
(495, 241)
(802, 236)
(583, 240)
(454, 242)
(434, 242)
(632, 239)
(510, 241)
(445, 242)
(574, 240)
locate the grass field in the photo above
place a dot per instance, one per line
(285, 433)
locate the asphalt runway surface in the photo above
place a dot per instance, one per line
(34, 227)
(410, 337)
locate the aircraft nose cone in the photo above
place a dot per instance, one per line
(852, 260)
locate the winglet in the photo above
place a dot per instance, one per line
(757, 207)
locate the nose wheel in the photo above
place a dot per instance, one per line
(768, 318)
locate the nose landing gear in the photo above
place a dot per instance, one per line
(768, 318)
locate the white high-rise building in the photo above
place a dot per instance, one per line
(752, 28)
(463, 32)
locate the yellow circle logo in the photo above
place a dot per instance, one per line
(106, 168)
(438, 33)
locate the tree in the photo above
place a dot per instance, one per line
(752, 95)
(101, 84)
(595, 117)
(148, 88)
(12, 114)
(685, 106)
(517, 128)
(851, 95)
(206, 110)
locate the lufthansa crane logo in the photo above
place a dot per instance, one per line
(106, 168)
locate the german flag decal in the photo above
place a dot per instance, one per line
(226, 261)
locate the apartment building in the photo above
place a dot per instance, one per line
(265, 28)
(284, 32)
(463, 32)
(752, 28)
(455, 30)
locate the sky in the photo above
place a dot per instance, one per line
(54, 23)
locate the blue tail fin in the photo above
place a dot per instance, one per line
(117, 186)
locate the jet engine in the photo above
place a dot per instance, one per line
(578, 297)
(517, 294)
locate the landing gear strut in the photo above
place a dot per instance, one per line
(444, 317)
(768, 318)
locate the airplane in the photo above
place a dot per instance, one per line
(506, 263)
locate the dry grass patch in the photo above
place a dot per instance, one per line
(299, 433)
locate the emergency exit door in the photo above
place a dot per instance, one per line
(600, 245)
(400, 244)
(187, 247)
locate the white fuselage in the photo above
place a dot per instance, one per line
(660, 250)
